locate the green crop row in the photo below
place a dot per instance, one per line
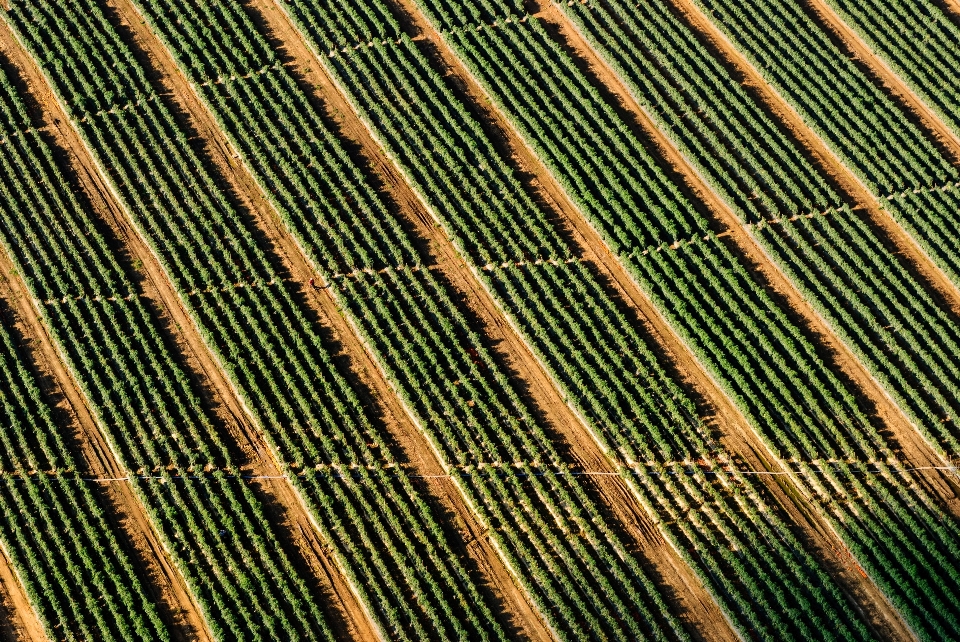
(906, 339)
(850, 110)
(547, 526)
(150, 410)
(78, 577)
(272, 350)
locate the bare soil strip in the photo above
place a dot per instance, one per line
(18, 622)
(892, 82)
(952, 8)
(417, 451)
(286, 511)
(949, 142)
(692, 599)
(914, 448)
(737, 434)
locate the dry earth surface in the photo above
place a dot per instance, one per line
(294, 523)
(18, 622)
(291, 524)
(420, 457)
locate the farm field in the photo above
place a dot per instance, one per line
(479, 320)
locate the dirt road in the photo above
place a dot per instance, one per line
(915, 450)
(325, 309)
(127, 513)
(18, 622)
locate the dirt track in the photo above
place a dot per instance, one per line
(128, 514)
(914, 449)
(285, 510)
(943, 289)
(18, 622)
(892, 82)
(948, 291)
(953, 8)
(321, 304)
(124, 510)
(291, 523)
(509, 347)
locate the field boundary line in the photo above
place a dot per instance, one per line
(632, 471)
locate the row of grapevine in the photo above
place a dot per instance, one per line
(549, 526)
(716, 518)
(78, 576)
(149, 408)
(918, 41)
(382, 528)
(852, 113)
(907, 341)
(767, 364)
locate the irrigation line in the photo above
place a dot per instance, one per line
(572, 473)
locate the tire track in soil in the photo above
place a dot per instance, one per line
(322, 306)
(695, 606)
(737, 434)
(916, 258)
(952, 8)
(914, 449)
(282, 504)
(18, 622)
(122, 508)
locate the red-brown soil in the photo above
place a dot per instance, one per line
(18, 622)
